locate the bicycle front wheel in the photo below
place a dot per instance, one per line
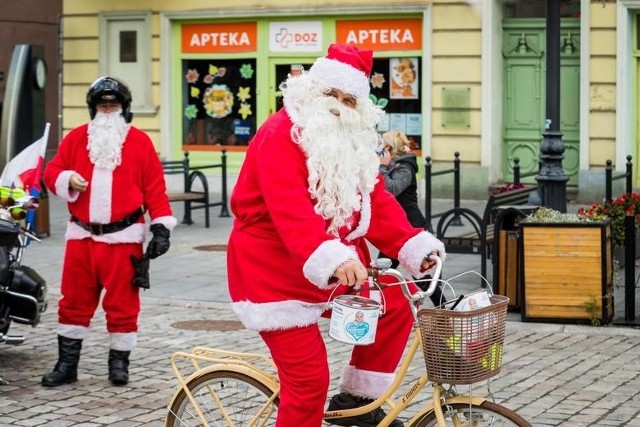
(225, 398)
(467, 415)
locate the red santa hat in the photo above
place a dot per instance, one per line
(346, 68)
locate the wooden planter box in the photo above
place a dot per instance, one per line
(564, 268)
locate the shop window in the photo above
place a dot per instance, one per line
(396, 87)
(219, 99)
(282, 73)
(538, 8)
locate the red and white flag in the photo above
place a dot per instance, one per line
(25, 170)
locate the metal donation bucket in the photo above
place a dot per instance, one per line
(354, 319)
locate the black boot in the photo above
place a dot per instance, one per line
(118, 367)
(66, 370)
(348, 401)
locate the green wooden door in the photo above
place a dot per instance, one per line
(524, 95)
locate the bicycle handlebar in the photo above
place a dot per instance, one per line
(380, 268)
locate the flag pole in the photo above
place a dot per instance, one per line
(45, 135)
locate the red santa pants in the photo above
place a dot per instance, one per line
(301, 357)
(89, 267)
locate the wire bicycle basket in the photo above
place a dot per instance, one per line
(463, 347)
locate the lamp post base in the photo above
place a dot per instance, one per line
(552, 181)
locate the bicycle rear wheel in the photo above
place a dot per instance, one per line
(219, 394)
(467, 415)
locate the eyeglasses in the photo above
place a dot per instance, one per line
(344, 98)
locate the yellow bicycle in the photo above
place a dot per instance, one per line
(229, 388)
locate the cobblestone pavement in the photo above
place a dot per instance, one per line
(553, 374)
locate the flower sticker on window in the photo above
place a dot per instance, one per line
(192, 76)
(218, 101)
(194, 92)
(191, 111)
(246, 71)
(381, 102)
(377, 80)
(244, 93)
(245, 111)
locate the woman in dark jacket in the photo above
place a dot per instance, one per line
(399, 168)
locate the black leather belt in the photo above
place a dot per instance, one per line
(98, 229)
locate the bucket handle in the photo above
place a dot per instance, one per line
(372, 278)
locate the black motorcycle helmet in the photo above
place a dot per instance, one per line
(110, 89)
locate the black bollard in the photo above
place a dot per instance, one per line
(629, 268)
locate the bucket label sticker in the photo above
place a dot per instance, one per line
(358, 328)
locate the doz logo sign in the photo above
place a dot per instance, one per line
(300, 36)
(284, 38)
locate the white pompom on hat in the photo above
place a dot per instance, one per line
(346, 68)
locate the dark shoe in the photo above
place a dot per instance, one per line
(119, 367)
(349, 401)
(66, 369)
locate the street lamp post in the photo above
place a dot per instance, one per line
(552, 181)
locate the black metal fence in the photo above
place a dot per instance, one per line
(428, 175)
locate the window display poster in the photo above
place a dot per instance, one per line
(414, 124)
(411, 109)
(383, 126)
(397, 122)
(404, 74)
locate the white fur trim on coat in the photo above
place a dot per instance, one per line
(135, 233)
(416, 249)
(360, 382)
(365, 219)
(168, 221)
(273, 316)
(75, 332)
(62, 187)
(100, 195)
(123, 341)
(338, 75)
(324, 261)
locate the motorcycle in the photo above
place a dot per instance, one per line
(23, 292)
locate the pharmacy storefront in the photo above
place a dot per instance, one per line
(225, 75)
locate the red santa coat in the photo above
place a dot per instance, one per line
(280, 257)
(112, 195)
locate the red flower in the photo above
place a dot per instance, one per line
(626, 204)
(506, 187)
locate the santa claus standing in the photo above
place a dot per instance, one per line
(109, 174)
(307, 197)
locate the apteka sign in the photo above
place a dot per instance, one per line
(381, 34)
(219, 37)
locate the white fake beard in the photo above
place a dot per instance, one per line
(107, 132)
(340, 150)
